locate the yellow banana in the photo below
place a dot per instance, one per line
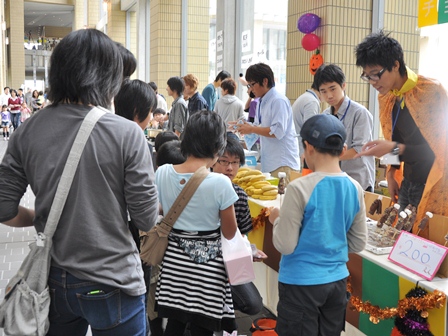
(261, 184)
(269, 187)
(257, 178)
(253, 172)
(243, 169)
(270, 193)
(266, 198)
(256, 196)
(245, 179)
(257, 192)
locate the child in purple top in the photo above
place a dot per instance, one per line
(6, 121)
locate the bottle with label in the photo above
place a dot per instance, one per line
(281, 183)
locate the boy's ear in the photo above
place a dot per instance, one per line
(343, 150)
(343, 86)
(309, 146)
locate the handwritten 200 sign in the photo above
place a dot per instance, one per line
(418, 255)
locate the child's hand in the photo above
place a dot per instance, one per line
(260, 256)
(275, 212)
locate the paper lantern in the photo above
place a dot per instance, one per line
(308, 23)
(310, 42)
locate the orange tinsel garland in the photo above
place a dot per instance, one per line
(259, 221)
(429, 301)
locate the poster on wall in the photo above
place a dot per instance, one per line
(219, 62)
(246, 41)
(246, 61)
(219, 41)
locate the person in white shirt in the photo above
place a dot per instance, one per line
(161, 102)
(4, 97)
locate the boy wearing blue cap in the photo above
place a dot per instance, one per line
(322, 219)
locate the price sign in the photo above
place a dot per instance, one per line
(418, 255)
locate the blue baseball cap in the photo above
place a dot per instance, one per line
(317, 129)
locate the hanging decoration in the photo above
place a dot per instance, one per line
(310, 42)
(308, 23)
(414, 323)
(421, 303)
(259, 221)
(316, 61)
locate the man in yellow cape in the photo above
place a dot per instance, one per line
(381, 58)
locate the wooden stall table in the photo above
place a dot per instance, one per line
(374, 278)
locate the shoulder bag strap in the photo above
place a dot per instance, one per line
(185, 195)
(70, 169)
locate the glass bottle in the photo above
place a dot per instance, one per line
(281, 183)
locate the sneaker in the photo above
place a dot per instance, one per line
(7, 139)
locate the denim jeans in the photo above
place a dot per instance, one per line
(15, 120)
(247, 299)
(110, 313)
(410, 193)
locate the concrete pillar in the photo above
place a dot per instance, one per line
(143, 40)
(16, 53)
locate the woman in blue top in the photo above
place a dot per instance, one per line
(193, 287)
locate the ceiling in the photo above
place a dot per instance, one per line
(41, 14)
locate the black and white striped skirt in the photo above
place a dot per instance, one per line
(194, 292)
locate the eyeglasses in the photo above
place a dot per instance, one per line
(226, 163)
(251, 85)
(375, 77)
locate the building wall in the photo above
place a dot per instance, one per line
(198, 40)
(57, 31)
(165, 43)
(15, 50)
(344, 24)
(116, 24)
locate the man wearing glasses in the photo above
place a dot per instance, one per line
(414, 120)
(273, 122)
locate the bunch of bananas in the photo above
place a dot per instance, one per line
(254, 184)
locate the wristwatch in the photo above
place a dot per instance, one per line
(396, 149)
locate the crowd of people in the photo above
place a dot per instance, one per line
(17, 107)
(123, 185)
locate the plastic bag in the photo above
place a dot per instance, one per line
(237, 255)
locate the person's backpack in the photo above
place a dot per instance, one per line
(264, 326)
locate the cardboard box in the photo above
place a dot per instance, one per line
(380, 175)
(369, 198)
(438, 228)
(294, 175)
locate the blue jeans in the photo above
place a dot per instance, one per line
(247, 299)
(15, 120)
(410, 193)
(110, 313)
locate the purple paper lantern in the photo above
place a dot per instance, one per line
(308, 23)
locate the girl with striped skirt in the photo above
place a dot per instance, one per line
(193, 286)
